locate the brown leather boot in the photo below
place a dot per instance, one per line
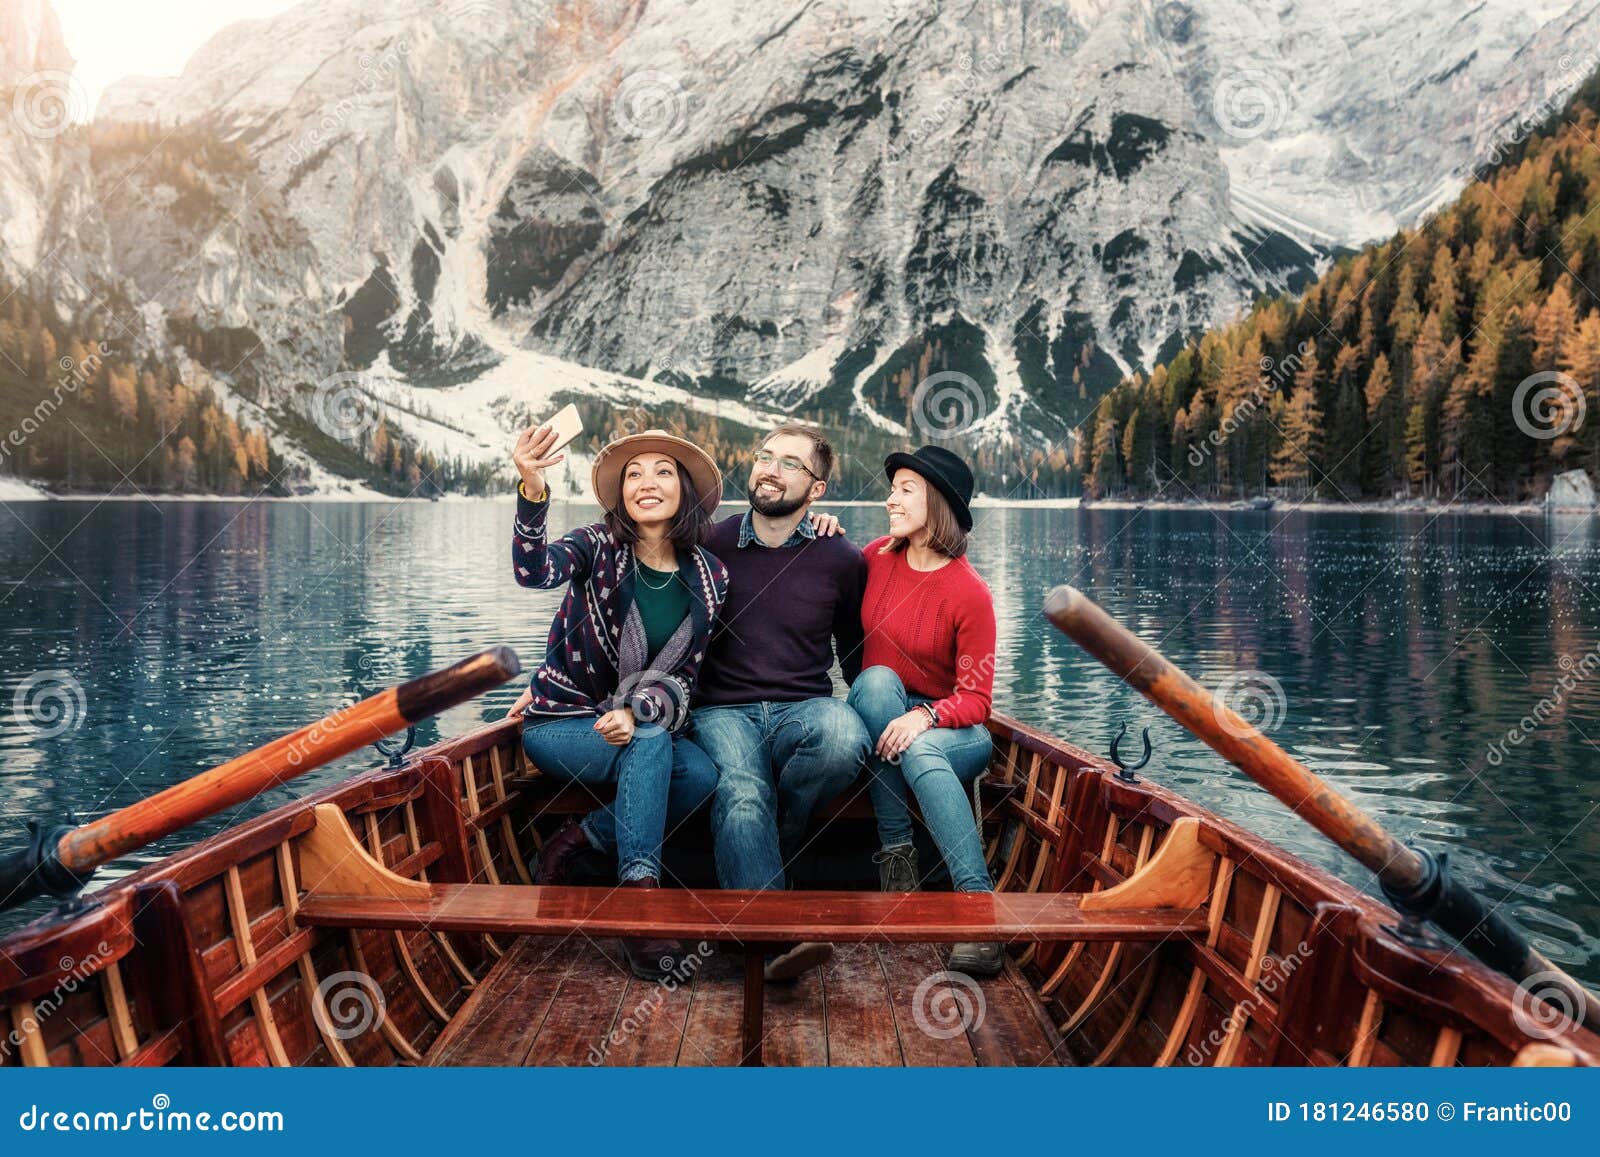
(650, 958)
(555, 858)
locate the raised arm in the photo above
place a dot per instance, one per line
(534, 561)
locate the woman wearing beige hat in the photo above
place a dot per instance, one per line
(609, 703)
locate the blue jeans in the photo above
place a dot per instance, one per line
(938, 767)
(660, 780)
(776, 762)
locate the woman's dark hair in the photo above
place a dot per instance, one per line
(690, 526)
(945, 535)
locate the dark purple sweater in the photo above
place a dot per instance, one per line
(786, 609)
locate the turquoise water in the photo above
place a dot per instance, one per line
(1406, 648)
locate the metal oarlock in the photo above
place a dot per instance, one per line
(1126, 774)
(36, 870)
(396, 754)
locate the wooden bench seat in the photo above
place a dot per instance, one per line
(346, 888)
(752, 917)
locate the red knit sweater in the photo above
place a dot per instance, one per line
(934, 629)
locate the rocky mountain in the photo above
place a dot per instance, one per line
(915, 217)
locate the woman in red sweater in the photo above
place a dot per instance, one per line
(926, 679)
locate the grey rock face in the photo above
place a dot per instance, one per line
(810, 207)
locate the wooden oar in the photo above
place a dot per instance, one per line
(1416, 881)
(62, 860)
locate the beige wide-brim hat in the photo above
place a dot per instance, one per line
(606, 477)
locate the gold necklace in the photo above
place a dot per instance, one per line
(639, 569)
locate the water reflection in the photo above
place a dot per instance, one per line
(1406, 647)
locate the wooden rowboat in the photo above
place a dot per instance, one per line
(390, 920)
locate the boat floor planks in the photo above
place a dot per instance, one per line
(574, 1003)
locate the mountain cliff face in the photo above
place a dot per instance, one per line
(810, 207)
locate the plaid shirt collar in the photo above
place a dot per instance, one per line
(747, 533)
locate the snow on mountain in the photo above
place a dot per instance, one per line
(803, 207)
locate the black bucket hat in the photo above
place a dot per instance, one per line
(945, 472)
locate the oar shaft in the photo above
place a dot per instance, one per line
(83, 849)
(1143, 668)
(1421, 885)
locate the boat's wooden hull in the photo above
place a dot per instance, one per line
(200, 959)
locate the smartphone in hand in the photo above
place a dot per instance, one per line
(567, 425)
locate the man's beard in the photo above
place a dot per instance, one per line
(780, 507)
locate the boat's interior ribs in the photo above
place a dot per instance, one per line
(208, 958)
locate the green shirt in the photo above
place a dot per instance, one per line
(663, 601)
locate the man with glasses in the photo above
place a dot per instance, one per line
(764, 706)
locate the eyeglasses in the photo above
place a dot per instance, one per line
(786, 464)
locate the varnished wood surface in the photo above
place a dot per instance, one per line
(751, 916)
(572, 1002)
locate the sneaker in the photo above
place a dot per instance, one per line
(557, 855)
(897, 868)
(652, 957)
(797, 960)
(978, 958)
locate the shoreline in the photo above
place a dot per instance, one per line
(1375, 506)
(13, 491)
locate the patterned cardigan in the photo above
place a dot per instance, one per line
(595, 655)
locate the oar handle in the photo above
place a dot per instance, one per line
(83, 849)
(1222, 729)
(1418, 883)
